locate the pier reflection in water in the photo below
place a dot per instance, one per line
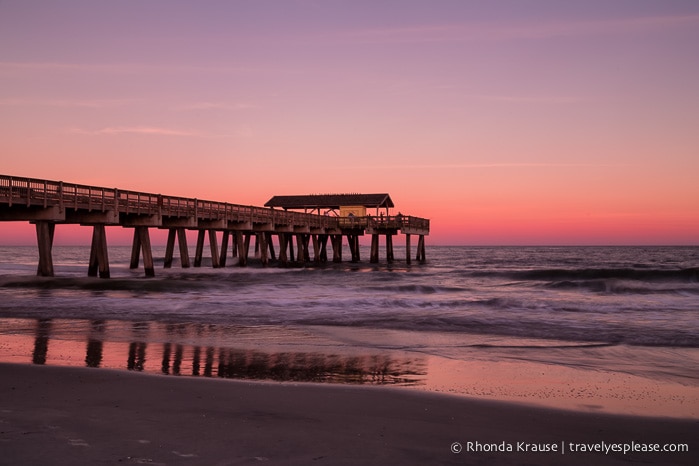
(224, 351)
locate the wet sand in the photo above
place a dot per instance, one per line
(63, 415)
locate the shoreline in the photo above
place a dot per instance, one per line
(69, 415)
(578, 379)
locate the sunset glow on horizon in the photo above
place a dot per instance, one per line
(508, 123)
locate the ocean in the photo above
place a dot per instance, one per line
(595, 328)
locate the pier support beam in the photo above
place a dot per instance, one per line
(374, 255)
(248, 238)
(234, 246)
(306, 241)
(389, 248)
(336, 241)
(283, 242)
(407, 248)
(224, 248)
(141, 243)
(261, 241)
(316, 249)
(323, 248)
(353, 241)
(302, 254)
(169, 250)
(299, 249)
(213, 244)
(44, 237)
(243, 243)
(199, 251)
(290, 243)
(99, 260)
(270, 243)
(420, 249)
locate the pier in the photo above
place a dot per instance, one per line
(333, 219)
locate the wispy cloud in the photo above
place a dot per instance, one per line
(526, 99)
(456, 166)
(147, 130)
(464, 32)
(79, 103)
(243, 131)
(120, 68)
(217, 106)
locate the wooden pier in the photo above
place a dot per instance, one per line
(47, 203)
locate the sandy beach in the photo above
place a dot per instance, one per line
(61, 415)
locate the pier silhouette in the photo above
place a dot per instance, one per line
(48, 203)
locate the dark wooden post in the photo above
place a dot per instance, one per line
(407, 248)
(213, 244)
(242, 250)
(421, 249)
(257, 246)
(184, 252)
(374, 255)
(248, 236)
(141, 243)
(316, 249)
(234, 245)
(299, 245)
(283, 240)
(200, 248)
(147, 252)
(389, 248)
(353, 241)
(170, 247)
(292, 257)
(224, 248)
(135, 249)
(336, 241)
(270, 243)
(323, 248)
(44, 237)
(264, 249)
(99, 260)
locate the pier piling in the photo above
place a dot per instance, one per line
(44, 236)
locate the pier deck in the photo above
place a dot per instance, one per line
(48, 203)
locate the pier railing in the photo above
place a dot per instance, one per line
(30, 192)
(383, 222)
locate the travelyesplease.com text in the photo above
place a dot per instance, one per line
(564, 447)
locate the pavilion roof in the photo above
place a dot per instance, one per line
(330, 201)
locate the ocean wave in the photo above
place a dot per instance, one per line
(418, 289)
(625, 286)
(555, 274)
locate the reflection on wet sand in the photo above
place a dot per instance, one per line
(168, 346)
(137, 349)
(41, 341)
(94, 344)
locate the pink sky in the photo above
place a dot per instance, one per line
(523, 122)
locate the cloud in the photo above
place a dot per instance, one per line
(456, 166)
(503, 30)
(79, 103)
(527, 99)
(147, 130)
(243, 131)
(217, 106)
(120, 68)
